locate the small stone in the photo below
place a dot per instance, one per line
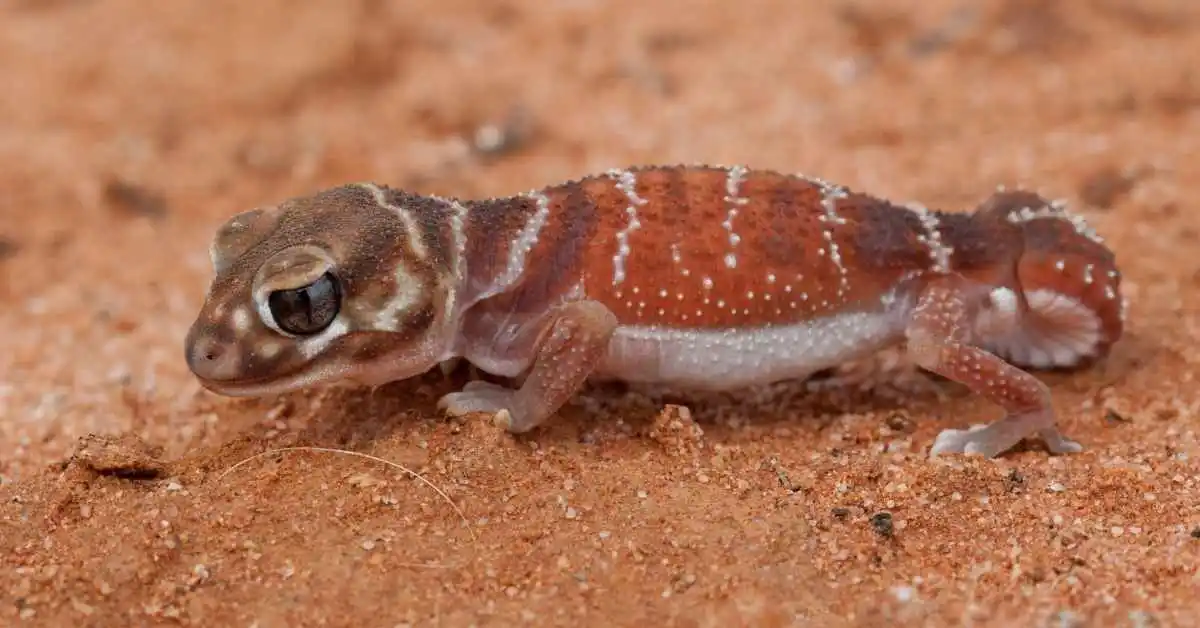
(83, 608)
(572, 513)
(174, 487)
(904, 594)
(1117, 530)
(368, 545)
(1196, 532)
(364, 480)
(1056, 487)
(882, 523)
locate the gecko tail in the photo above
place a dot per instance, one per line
(1056, 331)
(1069, 309)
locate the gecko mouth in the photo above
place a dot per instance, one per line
(270, 385)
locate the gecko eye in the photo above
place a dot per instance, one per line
(307, 310)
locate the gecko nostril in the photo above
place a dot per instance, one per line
(208, 352)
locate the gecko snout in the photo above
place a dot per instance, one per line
(210, 359)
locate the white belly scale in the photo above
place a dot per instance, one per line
(735, 358)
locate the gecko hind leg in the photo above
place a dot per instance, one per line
(938, 337)
(576, 339)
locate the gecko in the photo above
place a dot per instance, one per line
(694, 276)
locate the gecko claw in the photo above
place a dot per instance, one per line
(503, 419)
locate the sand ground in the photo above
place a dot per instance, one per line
(130, 129)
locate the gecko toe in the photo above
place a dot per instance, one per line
(1059, 444)
(503, 419)
(487, 398)
(477, 396)
(970, 441)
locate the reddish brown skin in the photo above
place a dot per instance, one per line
(780, 234)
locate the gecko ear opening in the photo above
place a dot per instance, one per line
(238, 234)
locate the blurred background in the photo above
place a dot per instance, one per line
(130, 129)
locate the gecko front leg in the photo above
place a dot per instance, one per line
(571, 342)
(938, 337)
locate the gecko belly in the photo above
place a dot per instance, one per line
(725, 359)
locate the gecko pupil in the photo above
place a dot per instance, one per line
(309, 309)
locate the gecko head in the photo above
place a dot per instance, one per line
(1073, 309)
(347, 284)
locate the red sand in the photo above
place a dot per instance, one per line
(129, 130)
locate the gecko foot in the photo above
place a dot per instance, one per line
(481, 396)
(990, 440)
(502, 403)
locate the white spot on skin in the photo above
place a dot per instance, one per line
(407, 293)
(1004, 299)
(627, 183)
(830, 194)
(1056, 210)
(733, 183)
(269, 350)
(312, 347)
(458, 220)
(241, 320)
(415, 243)
(939, 252)
(520, 248)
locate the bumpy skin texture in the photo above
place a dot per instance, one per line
(691, 276)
